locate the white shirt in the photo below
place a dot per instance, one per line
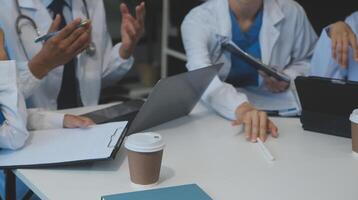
(323, 64)
(93, 73)
(287, 40)
(14, 133)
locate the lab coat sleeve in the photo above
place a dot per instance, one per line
(43, 120)
(114, 67)
(322, 63)
(222, 97)
(303, 48)
(27, 82)
(13, 133)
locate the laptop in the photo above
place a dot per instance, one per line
(327, 104)
(171, 98)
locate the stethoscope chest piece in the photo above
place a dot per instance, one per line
(91, 49)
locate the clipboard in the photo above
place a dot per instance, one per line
(62, 147)
(231, 47)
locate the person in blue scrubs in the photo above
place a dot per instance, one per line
(276, 32)
(336, 53)
(242, 74)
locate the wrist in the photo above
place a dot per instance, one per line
(244, 108)
(3, 55)
(125, 53)
(38, 68)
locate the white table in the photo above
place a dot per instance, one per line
(205, 149)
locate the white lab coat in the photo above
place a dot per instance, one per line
(287, 40)
(14, 132)
(106, 65)
(323, 64)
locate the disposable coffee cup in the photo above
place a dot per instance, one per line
(354, 124)
(145, 152)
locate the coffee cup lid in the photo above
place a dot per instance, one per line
(145, 142)
(354, 116)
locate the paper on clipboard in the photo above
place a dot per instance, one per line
(283, 104)
(54, 147)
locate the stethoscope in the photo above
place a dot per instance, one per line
(90, 51)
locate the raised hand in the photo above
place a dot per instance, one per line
(132, 29)
(343, 37)
(62, 48)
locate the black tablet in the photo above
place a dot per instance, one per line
(327, 104)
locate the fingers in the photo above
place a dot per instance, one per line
(130, 30)
(334, 47)
(3, 55)
(55, 24)
(340, 50)
(263, 126)
(2, 38)
(353, 42)
(255, 125)
(247, 127)
(124, 9)
(65, 32)
(140, 13)
(74, 36)
(345, 50)
(273, 84)
(72, 121)
(272, 129)
(86, 122)
(343, 37)
(81, 42)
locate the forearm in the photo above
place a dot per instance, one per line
(28, 83)
(114, 66)
(223, 98)
(43, 120)
(38, 67)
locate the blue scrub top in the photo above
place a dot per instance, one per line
(2, 117)
(242, 74)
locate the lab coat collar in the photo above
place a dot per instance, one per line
(272, 12)
(270, 31)
(30, 4)
(46, 3)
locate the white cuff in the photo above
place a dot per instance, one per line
(125, 64)
(223, 98)
(43, 120)
(27, 81)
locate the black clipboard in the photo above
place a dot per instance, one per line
(231, 47)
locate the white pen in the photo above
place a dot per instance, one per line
(266, 153)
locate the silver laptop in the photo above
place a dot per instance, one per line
(171, 98)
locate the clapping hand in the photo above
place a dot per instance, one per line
(132, 29)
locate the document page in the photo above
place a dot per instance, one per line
(268, 101)
(65, 145)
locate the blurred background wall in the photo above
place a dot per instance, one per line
(146, 71)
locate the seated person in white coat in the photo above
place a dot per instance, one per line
(336, 53)
(275, 31)
(69, 69)
(15, 121)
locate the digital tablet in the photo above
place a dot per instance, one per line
(230, 46)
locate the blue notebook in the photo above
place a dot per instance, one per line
(183, 192)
